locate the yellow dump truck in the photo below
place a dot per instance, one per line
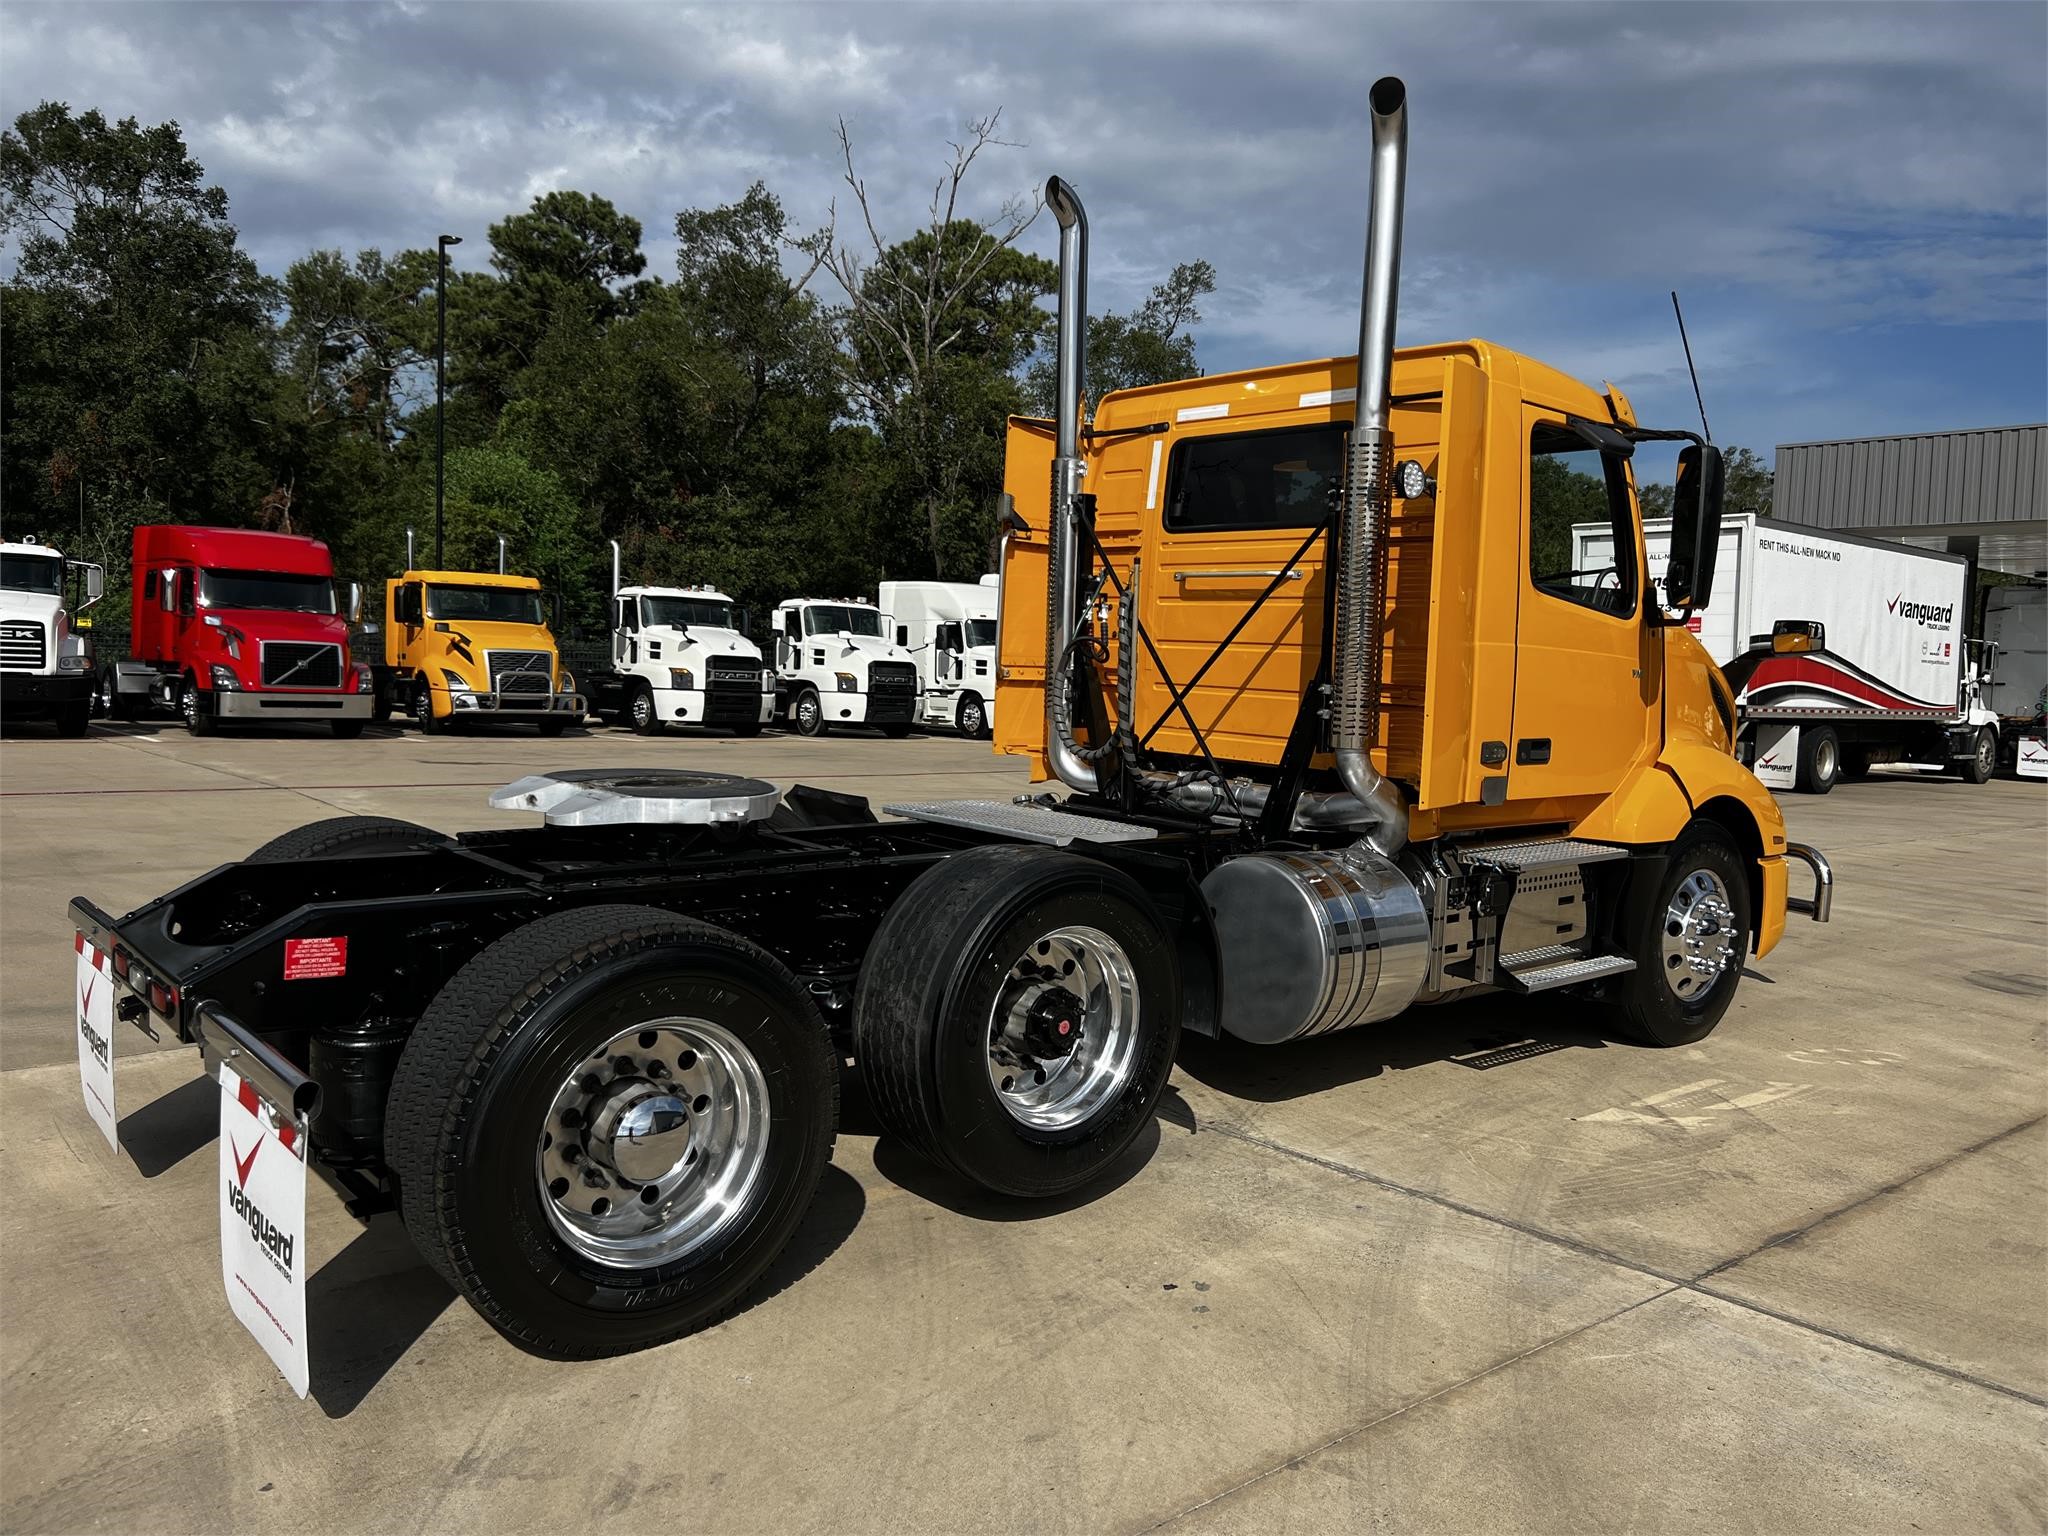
(472, 646)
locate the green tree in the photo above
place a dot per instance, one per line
(1153, 344)
(1746, 486)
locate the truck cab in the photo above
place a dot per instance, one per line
(837, 663)
(468, 646)
(949, 628)
(234, 625)
(681, 656)
(45, 649)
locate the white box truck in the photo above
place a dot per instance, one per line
(1843, 651)
(837, 663)
(45, 652)
(2016, 630)
(949, 628)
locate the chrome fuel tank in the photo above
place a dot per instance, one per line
(1314, 942)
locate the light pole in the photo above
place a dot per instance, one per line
(441, 390)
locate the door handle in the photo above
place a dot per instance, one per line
(1291, 574)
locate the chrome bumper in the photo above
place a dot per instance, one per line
(252, 705)
(1823, 899)
(518, 703)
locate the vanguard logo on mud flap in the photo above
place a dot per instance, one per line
(275, 1243)
(1923, 614)
(95, 1042)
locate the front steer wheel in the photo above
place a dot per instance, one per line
(1689, 939)
(608, 1124)
(1017, 1017)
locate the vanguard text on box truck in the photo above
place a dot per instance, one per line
(1874, 668)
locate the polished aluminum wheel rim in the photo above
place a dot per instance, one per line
(808, 712)
(643, 708)
(188, 706)
(1700, 940)
(654, 1143)
(1824, 761)
(1063, 1030)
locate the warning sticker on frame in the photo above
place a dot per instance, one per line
(95, 988)
(263, 1226)
(315, 959)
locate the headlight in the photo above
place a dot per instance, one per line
(224, 679)
(73, 664)
(455, 682)
(681, 677)
(568, 682)
(847, 683)
(365, 683)
(767, 680)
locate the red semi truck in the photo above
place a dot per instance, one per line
(234, 625)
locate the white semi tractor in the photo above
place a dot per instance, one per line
(837, 663)
(949, 628)
(1843, 651)
(681, 656)
(46, 668)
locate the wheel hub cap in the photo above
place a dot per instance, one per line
(1063, 1031)
(1701, 943)
(652, 1145)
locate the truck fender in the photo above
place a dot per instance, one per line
(1723, 791)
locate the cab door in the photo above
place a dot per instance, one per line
(1585, 693)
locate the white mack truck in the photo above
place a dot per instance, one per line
(45, 659)
(837, 663)
(680, 655)
(949, 628)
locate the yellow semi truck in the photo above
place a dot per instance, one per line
(1332, 727)
(467, 646)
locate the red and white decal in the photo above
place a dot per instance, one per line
(315, 959)
(95, 989)
(1826, 682)
(263, 1225)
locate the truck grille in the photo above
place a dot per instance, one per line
(21, 647)
(733, 690)
(521, 672)
(892, 679)
(301, 664)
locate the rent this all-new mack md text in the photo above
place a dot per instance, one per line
(231, 625)
(680, 655)
(1337, 733)
(45, 650)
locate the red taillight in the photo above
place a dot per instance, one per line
(162, 998)
(121, 963)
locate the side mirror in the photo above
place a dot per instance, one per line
(355, 603)
(95, 584)
(1695, 528)
(743, 621)
(555, 611)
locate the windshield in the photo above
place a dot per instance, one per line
(266, 589)
(831, 620)
(484, 605)
(981, 632)
(679, 611)
(32, 573)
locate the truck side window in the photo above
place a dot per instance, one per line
(184, 589)
(1572, 482)
(1282, 478)
(626, 615)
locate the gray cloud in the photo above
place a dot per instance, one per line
(1851, 198)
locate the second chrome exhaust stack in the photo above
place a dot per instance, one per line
(1362, 556)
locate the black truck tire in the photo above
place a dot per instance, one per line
(807, 714)
(970, 717)
(1664, 1001)
(74, 718)
(475, 1111)
(964, 1003)
(195, 704)
(1982, 762)
(641, 713)
(1820, 760)
(339, 836)
(423, 709)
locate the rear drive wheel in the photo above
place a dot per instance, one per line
(195, 706)
(809, 715)
(1982, 762)
(339, 837)
(970, 717)
(1017, 1017)
(641, 713)
(1689, 944)
(1820, 759)
(608, 1124)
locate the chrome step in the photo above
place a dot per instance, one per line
(1556, 965)
(1026, 823)
(1541, 853)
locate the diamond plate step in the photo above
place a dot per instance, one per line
(1540, 970)
(1027, 823)
(1542, 853)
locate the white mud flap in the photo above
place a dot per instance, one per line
(263, 1224)
(1777, 754)
(2032, 757)
(96, 1040)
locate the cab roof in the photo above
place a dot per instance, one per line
(711, 593)
(31, 549)
(474, 579)
(233, 549)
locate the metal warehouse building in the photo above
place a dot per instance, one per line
(1981, 492)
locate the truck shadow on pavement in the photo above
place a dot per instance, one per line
(167, 1130)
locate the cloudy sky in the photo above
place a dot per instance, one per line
(1851, 200)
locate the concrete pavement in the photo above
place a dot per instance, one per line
(1476, 1269)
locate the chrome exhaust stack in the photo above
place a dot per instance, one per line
(615, 574)
(1361, 573)
(1063, 537)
